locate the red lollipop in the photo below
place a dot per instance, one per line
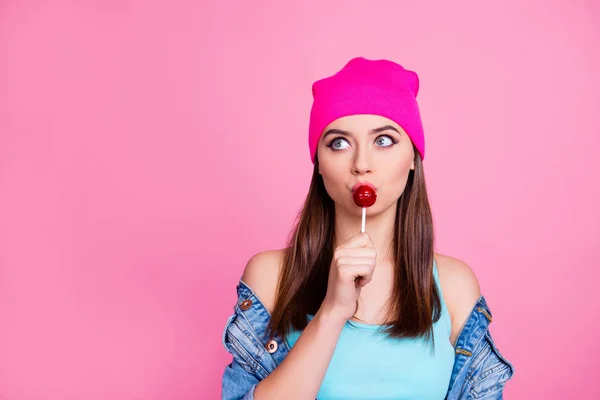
(364, 196)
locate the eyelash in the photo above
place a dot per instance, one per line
(394, 141)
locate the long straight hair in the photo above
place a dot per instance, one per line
(415, 302)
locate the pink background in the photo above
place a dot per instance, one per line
(148, 149)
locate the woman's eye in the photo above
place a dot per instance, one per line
(337, 144)
(384, 141)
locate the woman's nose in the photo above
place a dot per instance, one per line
(361, 163)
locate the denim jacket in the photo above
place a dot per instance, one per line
(479, 372)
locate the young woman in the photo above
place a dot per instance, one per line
(345, 314)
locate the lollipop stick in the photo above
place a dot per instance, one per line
(364, 217)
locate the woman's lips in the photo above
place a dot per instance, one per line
(369, 184)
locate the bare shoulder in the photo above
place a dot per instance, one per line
(460, 289)
(262, 273)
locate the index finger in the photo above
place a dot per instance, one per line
(362, 239)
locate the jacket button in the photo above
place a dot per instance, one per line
(246, 304)
(272, 346)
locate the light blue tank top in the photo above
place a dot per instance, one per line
(368, 365)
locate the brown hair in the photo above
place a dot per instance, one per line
(415, 302)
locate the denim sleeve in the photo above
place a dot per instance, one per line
(239, 378)
(490, 372)
(238, 384)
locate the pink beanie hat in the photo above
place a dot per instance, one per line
(379, 87)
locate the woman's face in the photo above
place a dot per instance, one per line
(365, 148)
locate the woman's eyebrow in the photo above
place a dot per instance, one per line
(346, 133)
(385, 128)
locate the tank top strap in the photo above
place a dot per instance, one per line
(436, 275)
(445, 313)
